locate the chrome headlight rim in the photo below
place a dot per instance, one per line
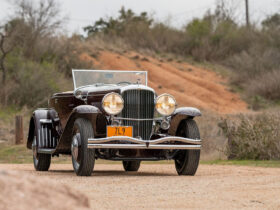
(175, 104)
(116, 94)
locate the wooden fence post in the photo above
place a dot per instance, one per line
(18, 130)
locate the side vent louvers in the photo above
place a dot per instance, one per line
(46, 138)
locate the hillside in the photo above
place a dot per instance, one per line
(191, 85)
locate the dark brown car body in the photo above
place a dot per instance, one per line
(52, 127)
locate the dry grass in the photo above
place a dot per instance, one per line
(266, 85)
(213, 140)
(253, 136)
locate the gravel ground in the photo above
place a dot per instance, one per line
(157, 186)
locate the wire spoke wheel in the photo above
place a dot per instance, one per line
(82, 158)
(76, 148)
(41, 162)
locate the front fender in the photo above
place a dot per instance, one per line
(180, 114)
(34, 123)
(83, 111)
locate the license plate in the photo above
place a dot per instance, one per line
(119, 131)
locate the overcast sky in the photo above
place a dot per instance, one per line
(84, 12)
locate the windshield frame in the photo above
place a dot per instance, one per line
(109, 71)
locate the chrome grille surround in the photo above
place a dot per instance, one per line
(139, 104)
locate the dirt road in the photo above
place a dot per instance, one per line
(159, 187)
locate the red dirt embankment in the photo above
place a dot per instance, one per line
(190, 85)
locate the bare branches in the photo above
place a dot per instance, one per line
(32, 21)
(7, 43)
(2, 57)
(227, 10)
(43, 17)
(40, 19)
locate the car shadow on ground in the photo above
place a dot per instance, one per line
(110, 173)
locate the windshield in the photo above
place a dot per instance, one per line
(103, 77)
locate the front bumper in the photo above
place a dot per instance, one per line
(124, 142)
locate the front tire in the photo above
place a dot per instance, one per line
(41, 162)
(131, 165)
(83, 159)
(187, 161)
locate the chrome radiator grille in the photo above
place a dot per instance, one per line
(139, 104)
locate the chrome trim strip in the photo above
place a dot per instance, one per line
(45, 121)
(143, 146)
(46, 151)
(46, 137)
(39, 138)
(42, 133)
(140, 141)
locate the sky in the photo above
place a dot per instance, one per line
(177, 13)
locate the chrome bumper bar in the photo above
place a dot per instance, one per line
(125, 142)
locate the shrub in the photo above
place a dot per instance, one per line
(30, 84)
(67, 55)
(253, 63)
(254, 137)
(266, 85)
(213, 139)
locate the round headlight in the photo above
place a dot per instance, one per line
(112, 103)
(165, 104)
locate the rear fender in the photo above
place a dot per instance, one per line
(180, 114)
(83, 111)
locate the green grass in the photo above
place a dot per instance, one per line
(15, 154)
(7, 113)
(258, 163)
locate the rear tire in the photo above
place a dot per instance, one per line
(83, 159)
(187, 161)
(131, 165)
(41, 162)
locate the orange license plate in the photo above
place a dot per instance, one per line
(119, 131)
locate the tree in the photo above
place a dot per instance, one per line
(272, 21)
(9, 36)
(42, 19)
(33, 22)
(119, 25)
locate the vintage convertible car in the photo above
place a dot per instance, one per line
(114, 115)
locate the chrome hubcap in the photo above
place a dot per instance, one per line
(75, 147)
